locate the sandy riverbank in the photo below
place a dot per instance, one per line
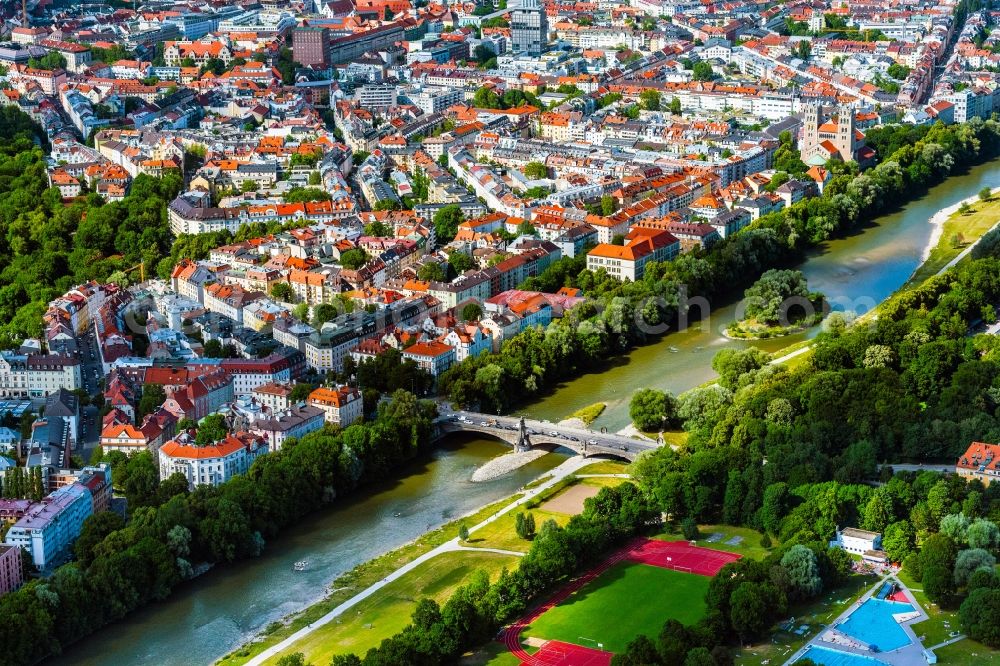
(939, 218)
(506, 464)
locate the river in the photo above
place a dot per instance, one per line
(213, 614)
(210, 616)
(862, 270)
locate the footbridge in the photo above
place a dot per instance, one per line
(523, 434)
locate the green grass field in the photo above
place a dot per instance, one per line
(964, 228)
(627, 600)
(749, 547)
(605, 467)
(386, 612)
(357, 579)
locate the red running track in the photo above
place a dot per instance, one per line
(677, 555)
(511, 635)
(557, 653)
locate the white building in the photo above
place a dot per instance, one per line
(37, 375)
(212, 464)
(340, 405)
(858, 541)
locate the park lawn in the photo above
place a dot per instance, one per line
(966, 652)
(970, 227)
(939, 624)
(357, 579)
(501, 533)
(604, 467)
(749, 547)
(603, 481)
(675, 438)
(388, 611)
(626, 600)
(818, 613)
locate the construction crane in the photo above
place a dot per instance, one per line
(142, 271)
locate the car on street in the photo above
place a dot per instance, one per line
(592, 442)
(553, 433)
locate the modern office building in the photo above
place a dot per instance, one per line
(311, 47)
(529, 28)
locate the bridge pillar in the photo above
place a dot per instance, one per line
(523, 441)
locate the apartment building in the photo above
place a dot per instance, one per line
(341, 405)
(296, 421)
(49, 528)
(212, 464)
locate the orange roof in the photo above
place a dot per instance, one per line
(430, 348)
(226, 447)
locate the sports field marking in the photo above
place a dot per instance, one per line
(681, 556)
(558, 653)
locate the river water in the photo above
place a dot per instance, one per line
(212, 615)
(861, 270)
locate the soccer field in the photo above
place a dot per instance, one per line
(627, 600)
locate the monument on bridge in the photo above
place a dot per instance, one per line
(523, 443)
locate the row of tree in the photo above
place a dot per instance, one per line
(171, 531)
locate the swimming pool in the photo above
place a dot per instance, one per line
(826, 657)
(872, 624)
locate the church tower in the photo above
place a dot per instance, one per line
(810, 130)
(846, 139)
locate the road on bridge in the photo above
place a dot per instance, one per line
(586, 441)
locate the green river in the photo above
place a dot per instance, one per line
(210, 616)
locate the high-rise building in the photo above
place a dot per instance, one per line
(311, 47)
(529, 28)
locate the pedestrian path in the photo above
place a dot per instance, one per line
(557, 474)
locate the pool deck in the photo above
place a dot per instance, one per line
(908, 655)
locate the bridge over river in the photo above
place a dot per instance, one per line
(523, 434)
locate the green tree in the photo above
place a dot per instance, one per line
(675, 106)
(153, 396)
(460, 262)
(283, 291)
(536, 170)
(524, 526)
(650, 99)
(323, 313)
(803, 572)
(212, 429)
(463, 532)
(95, 528)
(430, 272)
(702, 71)
(689, 528)
(980, 616)
(767, 300)
(651, 409)
(983, 533)
(472, 312)
(897, 542)
(446, 221)
(301, 194)
(353, 259)
(969, 561)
